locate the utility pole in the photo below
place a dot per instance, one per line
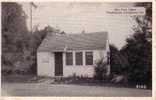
(31, 6)
(31, 17)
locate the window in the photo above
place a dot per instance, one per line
(69, 58)
(79, 58)
(89, 58)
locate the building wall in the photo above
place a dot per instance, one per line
(108, 51)
(45, 64)
(82, 70)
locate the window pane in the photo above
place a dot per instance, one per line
(69, 58)
(79, 59)
(89, 58)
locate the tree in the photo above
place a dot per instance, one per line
(100, 70)
(14, 29)
(118, 62)
(19, 46)
(15, 35)
(145, 22)
(138, 49)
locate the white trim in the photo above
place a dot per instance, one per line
(82, 58)
(74, 63)
(92, 58)
(72, 58)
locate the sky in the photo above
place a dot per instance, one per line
(73, 18)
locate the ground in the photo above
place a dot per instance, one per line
(18, 85)
(46, 89)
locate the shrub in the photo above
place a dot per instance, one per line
(119, 79)
(101, 70)
(21, 67)
(6, 69)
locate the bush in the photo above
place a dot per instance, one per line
(6, 69)
(119, 79)
(21, 67)
(101, 70)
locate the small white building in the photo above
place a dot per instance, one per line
(72, 54)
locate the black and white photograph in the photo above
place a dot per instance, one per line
(76, 49)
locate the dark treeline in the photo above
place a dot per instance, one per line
(19, 46)
(134, 60)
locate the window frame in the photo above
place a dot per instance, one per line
(81, 59)
(67, 58)
(86, 58)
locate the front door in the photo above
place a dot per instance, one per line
(58, 64)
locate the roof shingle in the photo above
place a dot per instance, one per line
(83, 41)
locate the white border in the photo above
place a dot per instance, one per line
(98, 98)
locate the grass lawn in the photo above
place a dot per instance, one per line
(45, 88)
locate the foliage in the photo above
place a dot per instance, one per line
(17, 42)
(139, 55)
(101, 70)
(122, 79)
(19, 46)
(15, 35)
(138, 50)
(14, 30)
(118, 62)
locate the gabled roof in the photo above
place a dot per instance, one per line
(83, 41)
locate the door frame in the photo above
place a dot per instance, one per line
(61, 64)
